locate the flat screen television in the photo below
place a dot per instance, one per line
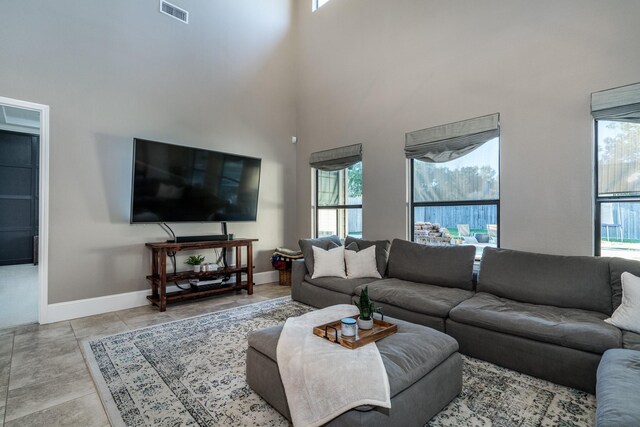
(173, 183)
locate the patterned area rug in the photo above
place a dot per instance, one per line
(498, 397)
(191, 372)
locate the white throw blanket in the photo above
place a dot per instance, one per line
(322, 379)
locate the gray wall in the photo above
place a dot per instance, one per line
(114, 70)
(367, 71)
(371, 70)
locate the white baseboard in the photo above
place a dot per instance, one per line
(99, 305)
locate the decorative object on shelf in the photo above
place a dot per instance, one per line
(366, 307)
(210, 266)
(195, 261)
(281, 260)
(349, 328)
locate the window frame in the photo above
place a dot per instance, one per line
(315, 5)
(598, 200)
(413, 204)
(318, 207)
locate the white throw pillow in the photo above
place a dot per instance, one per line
(627, 316)
(328, 263)
(361, 264)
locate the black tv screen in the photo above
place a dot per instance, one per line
(172, 183)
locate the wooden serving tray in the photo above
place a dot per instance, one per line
(380, 330)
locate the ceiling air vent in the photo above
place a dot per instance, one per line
(174, 11)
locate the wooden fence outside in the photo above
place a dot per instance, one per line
(477, 216)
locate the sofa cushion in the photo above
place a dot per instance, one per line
(417, 297)
(627, 315)
(306, 246)
(617, 266)
(567, 327)
(361, 263)
(328, 262)
(338, 284)
(618, 388)
(382, 251)
(562, 281)
(450, 266)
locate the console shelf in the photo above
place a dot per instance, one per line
(159, 276)
(186, 275)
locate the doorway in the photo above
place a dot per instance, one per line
(18, 195)
(21, 181)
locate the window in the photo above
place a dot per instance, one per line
(617, 171)
(338, 186)
(455, 191)
(618, 193)
(316, 4)
(339, 202)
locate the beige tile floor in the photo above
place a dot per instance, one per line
(44, 380)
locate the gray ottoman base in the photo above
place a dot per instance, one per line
(412, 406)
(263, 376)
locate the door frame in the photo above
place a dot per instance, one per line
(43, 209)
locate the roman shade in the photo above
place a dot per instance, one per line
(448, 142)
(621, 104)
(336, 158)
(328, 187)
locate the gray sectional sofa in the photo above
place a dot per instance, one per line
(423, 283)
(538, 314)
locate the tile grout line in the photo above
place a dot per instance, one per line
(52, 379)
(39, 383)
(123, 320)
(73, 330)
(6, 398)
(55, 406)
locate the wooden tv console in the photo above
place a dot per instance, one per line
(159, 276)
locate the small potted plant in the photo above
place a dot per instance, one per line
(195, 261)
(366, 307)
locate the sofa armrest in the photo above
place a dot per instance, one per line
(630, 340)
(298, 271)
